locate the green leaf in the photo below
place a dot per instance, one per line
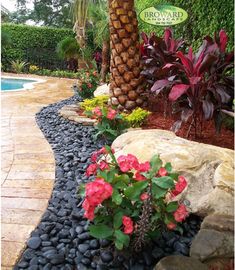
(108, 148)
(174, 176)
(81, 190)
(156, 216)
(164, 182)
(103, 174)
(122, 237)
(118, 244)
(133, 192)
(116, 197)
(168, 167)
(158, 192)
(120, 185)
(117, 220)
(122, 178)
(100, 231)
(156, 164)
(172, 207)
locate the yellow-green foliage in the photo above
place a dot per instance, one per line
(89, 104)
(137, 117)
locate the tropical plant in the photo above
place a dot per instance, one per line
(110, 124)
(5, 39)
(156, 53)
(129, 202)
(33, 69)
(137, 117)
(18, 66)
(203, 87)
(69, 49)
(125, 82)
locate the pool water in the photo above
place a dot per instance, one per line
(13, 84)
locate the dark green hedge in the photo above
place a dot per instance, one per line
(34, 44)
(205, 17)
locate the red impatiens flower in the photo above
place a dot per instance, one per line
(128, 225)
(181, 213)
(128, 162)
(111, 114)
(144, 167)
(139, 177)
(95, 193)
(171, 226)
(97, 111)
(144, 196)
(162, 172)
(103, 165)
(94, 157)
(91, 169)
(179, 186)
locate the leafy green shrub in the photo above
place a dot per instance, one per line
(68, 48)
(18, 66)
(137, 117)
(87, 84)
(228, 122)
(90, 104)
(110, 124)
(36, 45)
(129, 202)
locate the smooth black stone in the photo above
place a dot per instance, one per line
(83, 248)
(42, 261)
(106, 256)
(81, 267)
(48, 266)
(84, 236)
(23, 264)
(137, 267)
(57, 259)
(157, 253)
(182, 248)
(86, 261)
(33, 267)
(104, 242)
(28, 254)
(44, 237)
(49, 254)
(33, 261)
(94, 244)
(148, 259)
(34, 242)
(46, 243)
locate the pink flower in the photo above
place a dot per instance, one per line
(179, 186)
(91, 169)
(102, 151)
(128, 225)
(144, 167)
(181, 213)
(162, 172)
(94, 157)
(97, 111)
(111, 114)
(103, 165)
(95, 193)
(139, 177)
(144, 196)
(89, 85)
(128, 162)
(171, 226)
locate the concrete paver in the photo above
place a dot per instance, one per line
(28, 168)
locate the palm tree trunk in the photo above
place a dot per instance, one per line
(105, 60)
(125, 81)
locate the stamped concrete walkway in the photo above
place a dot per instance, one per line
(28, 169)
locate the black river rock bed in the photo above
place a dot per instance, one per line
(61, 240)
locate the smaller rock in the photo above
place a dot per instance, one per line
(23, 264)
(94, 244)
(175, 262)
(83, 248)
(57, 259)
(218, 223)
(34, 242)
(106, 256)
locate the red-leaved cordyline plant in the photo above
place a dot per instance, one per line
(199, 83)
(156, 53)
(130, 201)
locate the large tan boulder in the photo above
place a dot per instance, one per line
(102, 90)
(208, 169)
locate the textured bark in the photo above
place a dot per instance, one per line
(105, 60)
(125, 81)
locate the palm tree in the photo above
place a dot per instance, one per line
(125, 85)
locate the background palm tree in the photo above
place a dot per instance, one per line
(126, 82)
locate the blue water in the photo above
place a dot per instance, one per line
(13, 84)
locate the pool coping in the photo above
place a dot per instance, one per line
(26, 86)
